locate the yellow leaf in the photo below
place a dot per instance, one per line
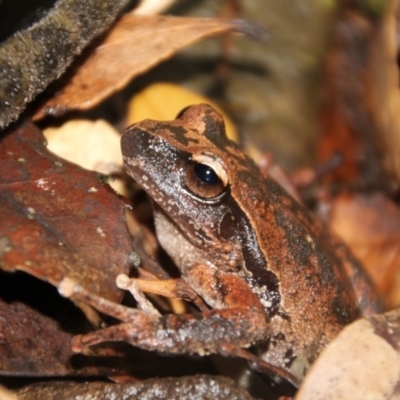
(163, 101)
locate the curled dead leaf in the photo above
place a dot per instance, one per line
(135, 44)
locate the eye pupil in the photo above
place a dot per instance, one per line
(205, 180)
(206, 174)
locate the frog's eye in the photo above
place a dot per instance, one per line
(205, 177)
(206, 174)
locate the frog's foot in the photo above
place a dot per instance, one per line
(240, 324)
(125, 332)
(69, 288)
(170, 288)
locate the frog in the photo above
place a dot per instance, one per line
(266, 270)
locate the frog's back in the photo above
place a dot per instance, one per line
(307, 293)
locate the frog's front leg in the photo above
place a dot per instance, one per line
(238, 319)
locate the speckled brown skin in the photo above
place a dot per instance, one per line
(246, 247)
(241, 322)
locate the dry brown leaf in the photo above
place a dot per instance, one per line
(363, 362)
(346, 126)
(382, 86)
(32, 344)
(370, 226)
(135, 44)
(36, 328)
(58, 219)
(163, 101)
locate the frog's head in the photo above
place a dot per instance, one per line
(188, 167)
(206, 191)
